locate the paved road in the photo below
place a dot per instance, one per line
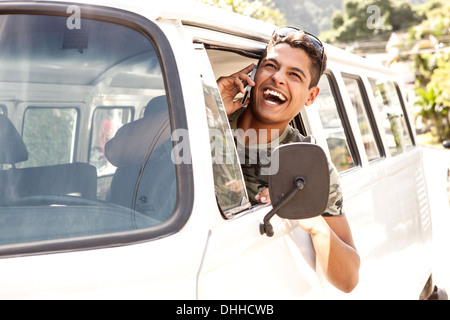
(436, 164)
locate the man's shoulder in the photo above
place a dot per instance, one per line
(234, 117)
(293, 135)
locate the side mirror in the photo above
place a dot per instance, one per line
(299, 183)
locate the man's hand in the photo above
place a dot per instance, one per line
(230, 86)
(263, 196)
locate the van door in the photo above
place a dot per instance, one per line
(63, 234)
(239, 262)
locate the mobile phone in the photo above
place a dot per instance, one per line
(249, 87)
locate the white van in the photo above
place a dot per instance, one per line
(109, 187)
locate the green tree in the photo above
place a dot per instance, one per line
(361, 20)
(436, 20)
(440, 80)
(434, 114)
(337, 20)
(432, 68)
(403, 15)
(439, 92)
(259, 9)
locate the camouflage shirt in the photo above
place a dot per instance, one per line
(254, 162)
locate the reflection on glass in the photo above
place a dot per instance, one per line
(394, 122)
(365, 127)
(333, 128)
(228, 181)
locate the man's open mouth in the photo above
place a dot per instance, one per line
(274, 98)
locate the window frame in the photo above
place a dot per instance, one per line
(371, 117)
(405, 114)
(340, 107)
(174, 94)
(387, 148)
(202, 51)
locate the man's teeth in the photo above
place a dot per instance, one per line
(276, 94)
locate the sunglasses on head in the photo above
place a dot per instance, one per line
(285, 31)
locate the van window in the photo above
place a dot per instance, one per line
(394, 120)
(229, 184)
(333, 128)
(354, 88)
(105, 123)
(54, 184)
(49, 134)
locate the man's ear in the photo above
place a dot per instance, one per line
(313, 93)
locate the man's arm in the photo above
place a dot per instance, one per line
(335, 250)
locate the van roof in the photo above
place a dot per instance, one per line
(193, 13)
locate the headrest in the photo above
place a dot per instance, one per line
(12, 147)
(137, 139)
(156, 105)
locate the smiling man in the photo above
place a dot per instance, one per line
(286, 80)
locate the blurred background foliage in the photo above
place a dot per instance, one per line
(432, 67)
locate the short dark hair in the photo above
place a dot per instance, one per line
(301, 40)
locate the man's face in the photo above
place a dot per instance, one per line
(282, 86)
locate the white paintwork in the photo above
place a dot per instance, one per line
(386, 204)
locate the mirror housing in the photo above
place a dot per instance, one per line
(299, 183)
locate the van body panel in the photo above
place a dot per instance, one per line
(390, 232)
(201, 251)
